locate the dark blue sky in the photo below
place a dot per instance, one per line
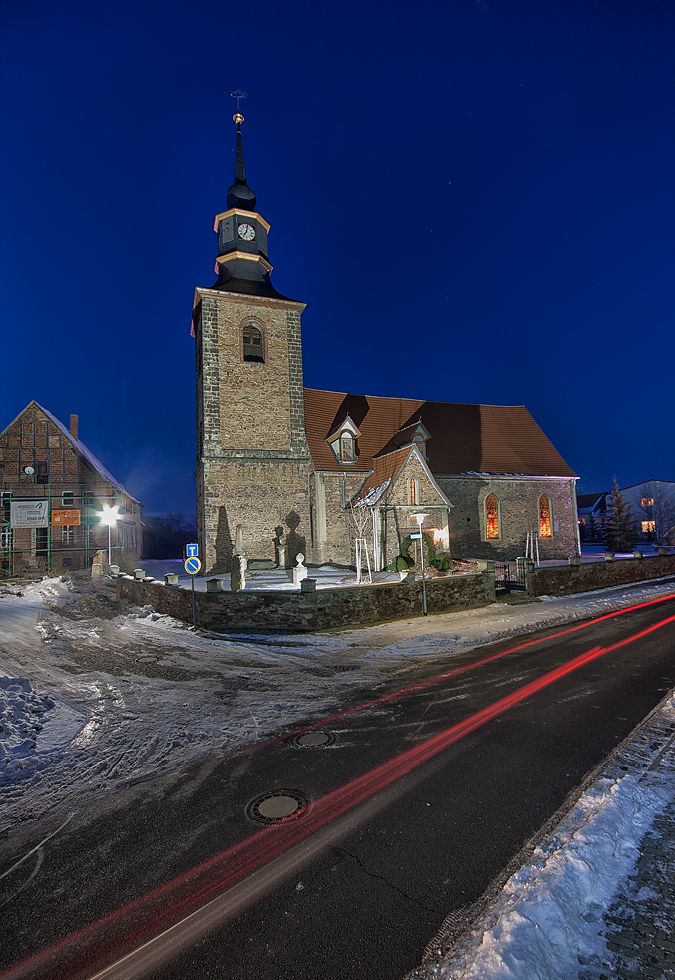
(475, 198)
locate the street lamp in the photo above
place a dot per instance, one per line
(110, 516)
(419, 518)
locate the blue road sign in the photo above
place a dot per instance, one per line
(192, 565)
(415, 537)
(191, 550)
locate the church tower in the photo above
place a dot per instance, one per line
(253, 463)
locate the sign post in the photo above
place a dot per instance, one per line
(192, 566)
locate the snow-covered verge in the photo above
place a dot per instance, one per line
(22, 713)
(141, 695)
(547, 921)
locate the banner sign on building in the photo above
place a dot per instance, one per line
(68, 517)
(29, 513)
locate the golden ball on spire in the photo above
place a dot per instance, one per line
(238, 118)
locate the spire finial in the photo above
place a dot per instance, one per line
(238, 94)
(240, 195)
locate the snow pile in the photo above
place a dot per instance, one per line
(22, 716)
(547, 921)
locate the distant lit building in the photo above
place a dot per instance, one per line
(53, 490)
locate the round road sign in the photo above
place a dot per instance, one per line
(192, 565)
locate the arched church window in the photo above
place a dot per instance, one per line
(491, 516)
(253, 342)
(544, 517)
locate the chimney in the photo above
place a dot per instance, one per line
(73, 426)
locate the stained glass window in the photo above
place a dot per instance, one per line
(544, 517)
(491, 517)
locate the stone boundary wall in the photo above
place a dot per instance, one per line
(309, 611)
(567, 579)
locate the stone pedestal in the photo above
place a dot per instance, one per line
(171, 579)
(214, 585)
(308, 585)
(299, 572)
(637, 554)
(574, 561)
(238, 573)
(139, 574)
(609, 556)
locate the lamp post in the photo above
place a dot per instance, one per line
(419, 518)
(110, 516)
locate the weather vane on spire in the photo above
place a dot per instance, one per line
(237, 117)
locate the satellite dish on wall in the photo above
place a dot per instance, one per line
(29, 470)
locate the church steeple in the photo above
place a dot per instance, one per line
(242, 264)
(240, 194)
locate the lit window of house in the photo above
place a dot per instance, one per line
(648, 526)
(413, 491)
(491, 517)
(67, 534)
(646, 501)
(544, 517)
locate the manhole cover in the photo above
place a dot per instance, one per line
(313, 740)
(280, 804)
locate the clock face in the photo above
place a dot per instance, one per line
(246, 232)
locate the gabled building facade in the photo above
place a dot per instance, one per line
(53, 490)
(285, 461)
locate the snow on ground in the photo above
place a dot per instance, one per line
(547, 921)
(140, 695)
(91, 700)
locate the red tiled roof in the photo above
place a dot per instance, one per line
(463, 438)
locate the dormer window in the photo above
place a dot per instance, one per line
(342, 441)
(252, 338)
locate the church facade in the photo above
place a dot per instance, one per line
(322, 468)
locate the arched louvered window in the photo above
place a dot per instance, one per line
(253, 342)
(413, 491)
(491, 517)
(544, 517)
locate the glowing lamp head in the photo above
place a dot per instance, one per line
(110, 515)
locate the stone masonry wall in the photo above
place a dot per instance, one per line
(568, 579)
(397, 522)
(519, 513)
(308, 612)
(259, 495)
(338, 544)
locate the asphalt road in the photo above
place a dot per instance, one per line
(415, 807)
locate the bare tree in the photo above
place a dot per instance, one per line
(360, 519)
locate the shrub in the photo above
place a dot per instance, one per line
(399, 564)
(442, 562)
(429, 548)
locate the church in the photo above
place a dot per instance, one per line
(319, 469)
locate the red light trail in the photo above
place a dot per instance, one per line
(194, 893)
